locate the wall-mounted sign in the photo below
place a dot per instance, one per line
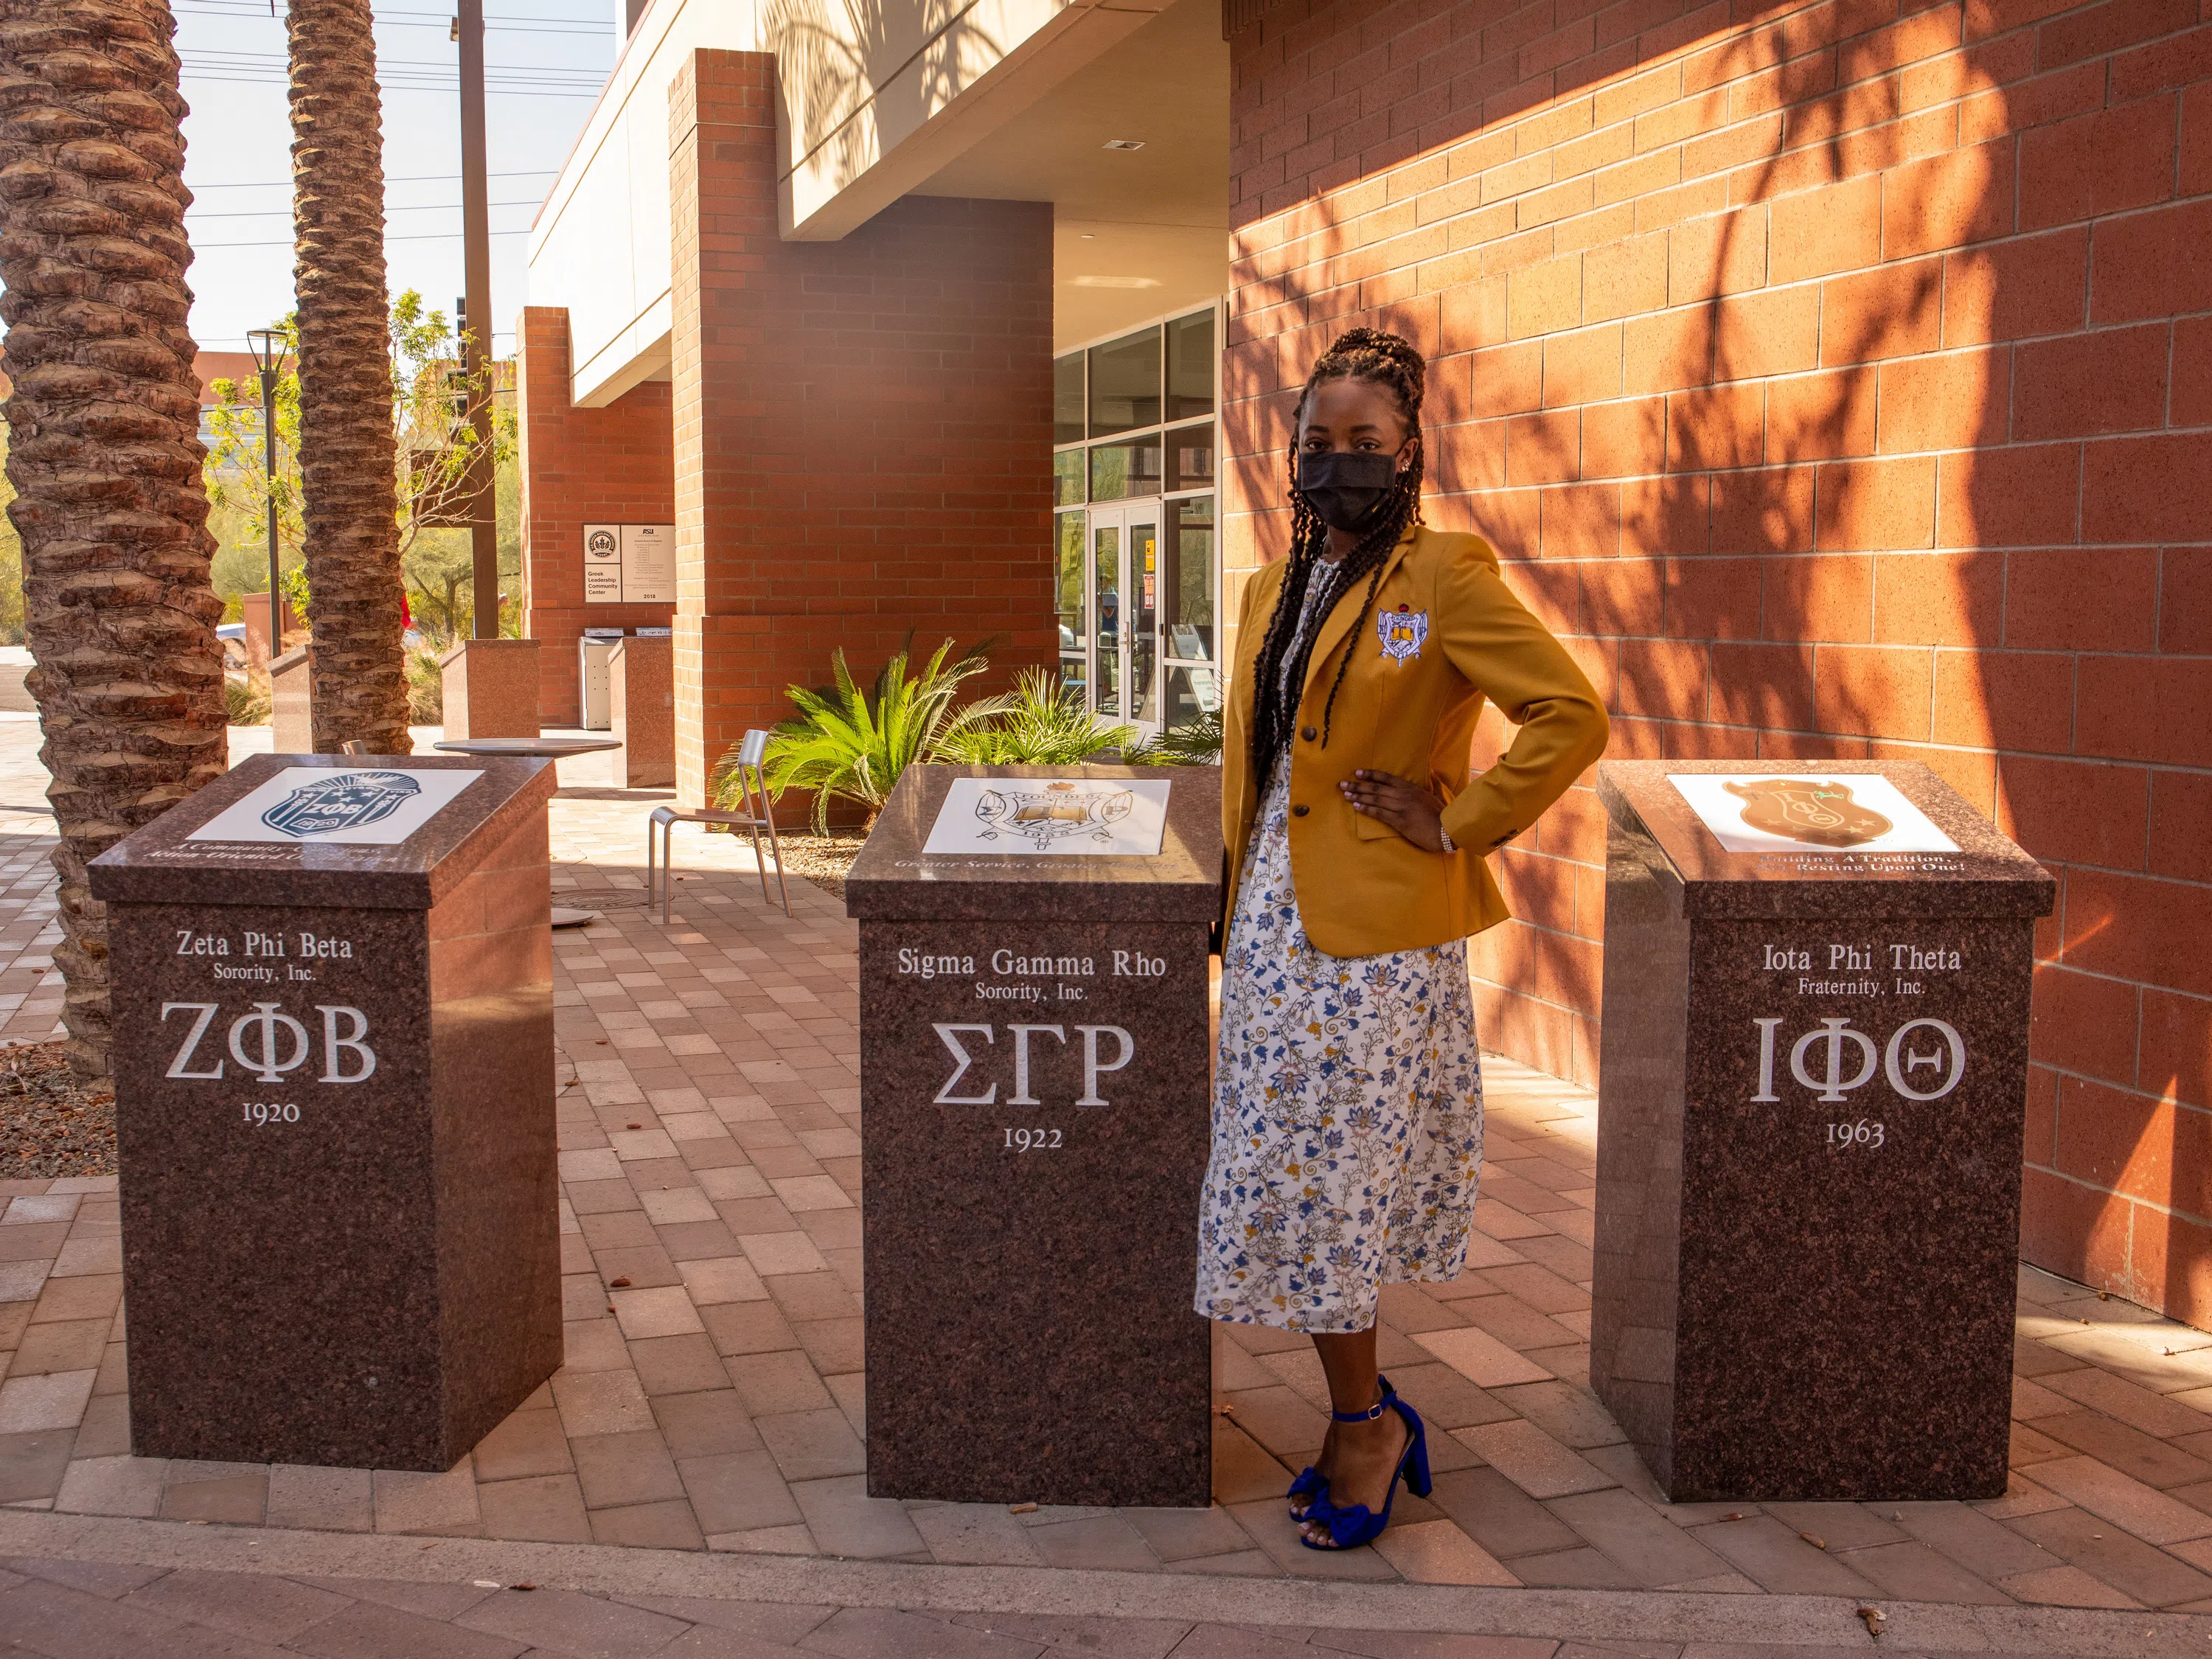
(629, 564)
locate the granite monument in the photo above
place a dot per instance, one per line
(333, 1058)
(641, 710)
(1814, 1061)
(489, 688)
(1034, 1131)
(291, 710)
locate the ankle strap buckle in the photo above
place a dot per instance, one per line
(1387, 1393)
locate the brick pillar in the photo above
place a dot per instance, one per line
(580, 466)
(863, 437)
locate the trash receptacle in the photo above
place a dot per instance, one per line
(592, 653)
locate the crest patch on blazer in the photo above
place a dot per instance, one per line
(1402, 632)
(1820, 812)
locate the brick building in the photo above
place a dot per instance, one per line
(1835, 376)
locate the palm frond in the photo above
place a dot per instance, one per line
(847, 743)
(1040, 724)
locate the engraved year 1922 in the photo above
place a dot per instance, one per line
(1032, 1140)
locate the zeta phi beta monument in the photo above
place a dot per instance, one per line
(333, 1056)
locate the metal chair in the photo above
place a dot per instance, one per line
(745, 767)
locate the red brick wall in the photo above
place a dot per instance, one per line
(580, 466)
(1838, 378)
(863, 427)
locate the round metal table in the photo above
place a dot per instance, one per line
(553, 749)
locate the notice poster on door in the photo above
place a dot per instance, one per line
(648, 563)
(602, 564)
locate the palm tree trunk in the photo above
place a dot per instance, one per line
(105, 453)
(349, 494)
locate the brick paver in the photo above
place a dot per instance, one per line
(714, 1399)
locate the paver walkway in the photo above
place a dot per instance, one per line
(716, 1401)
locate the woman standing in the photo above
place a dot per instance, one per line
(1347, 1113)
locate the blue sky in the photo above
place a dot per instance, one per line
(544, 59)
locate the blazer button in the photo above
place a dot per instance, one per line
(1308, 734)
(1298, 811)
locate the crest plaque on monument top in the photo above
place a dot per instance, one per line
(1813, 1058)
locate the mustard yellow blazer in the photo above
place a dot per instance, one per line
(1445, 633)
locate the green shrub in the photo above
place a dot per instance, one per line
(242, 704)
(426, 687)
(1197, 744)
(849, 743)
(1040, 724)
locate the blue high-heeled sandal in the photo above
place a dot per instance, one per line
(1354, 1524)
(1310, 1486)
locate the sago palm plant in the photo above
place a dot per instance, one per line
(1197, 742)
(849, 743)
(1040, 724)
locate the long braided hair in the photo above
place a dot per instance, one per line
(1379, 359)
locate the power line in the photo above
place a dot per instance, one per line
(281, 60)
(413, 179)
(506, 22)
(427, 236)
(389, 207)
(278, 79)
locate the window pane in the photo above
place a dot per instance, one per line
(1190, 458)
(1067, 601)
(1106, 623)
(1191, 692)
(1067, 399)
(1122, 470)
(1190, 366)
(1125, 383)
(1067, 478)
(1186, 603)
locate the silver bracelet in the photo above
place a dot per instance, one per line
(1444, 835)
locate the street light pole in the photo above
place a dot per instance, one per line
(268, 347)
(476, 335)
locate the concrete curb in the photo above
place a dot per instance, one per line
(1830, 1623)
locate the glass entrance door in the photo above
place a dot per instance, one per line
(1124, 619)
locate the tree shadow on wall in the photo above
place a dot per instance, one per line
(843, 73)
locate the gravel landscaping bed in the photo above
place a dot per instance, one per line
(52, 1122)
(821, 860)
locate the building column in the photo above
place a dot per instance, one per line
(863, 441)
(580, 466)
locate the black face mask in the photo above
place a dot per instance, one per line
(1346, 486)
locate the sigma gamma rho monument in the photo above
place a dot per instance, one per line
(333, 1057)
(1034, 1133)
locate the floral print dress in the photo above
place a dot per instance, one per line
(1347, 1111)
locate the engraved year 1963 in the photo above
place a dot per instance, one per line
(1032, 1140)
(1864, 1132)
